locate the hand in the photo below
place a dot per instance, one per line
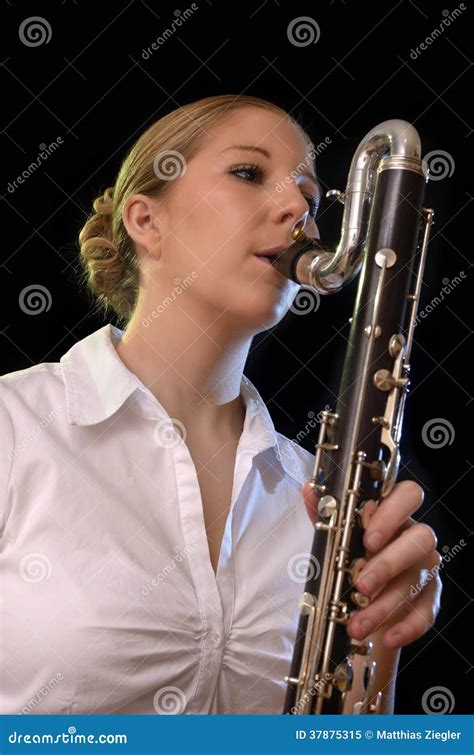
(400, 570)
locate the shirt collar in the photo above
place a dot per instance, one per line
(97, 384)
(96, 380)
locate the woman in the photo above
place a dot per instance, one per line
(154, 527)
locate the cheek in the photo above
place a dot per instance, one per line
(204, 227)
(225, 213)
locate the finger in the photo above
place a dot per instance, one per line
(421, 618)
(405, 498)
(368, 510)
(311, 500)
(390, 606)
(415, 545)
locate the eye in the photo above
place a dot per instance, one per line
(257, 175)
(253, 170)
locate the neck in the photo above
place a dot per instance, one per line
(192, 365)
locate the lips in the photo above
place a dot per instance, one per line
(265, 260)
(271, 254)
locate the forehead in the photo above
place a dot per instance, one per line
(267, 129)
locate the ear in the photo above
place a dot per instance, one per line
(140, 218)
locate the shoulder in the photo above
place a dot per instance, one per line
(7, 445)
(32, 385)
(28, 398)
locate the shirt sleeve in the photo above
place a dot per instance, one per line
(7, 445)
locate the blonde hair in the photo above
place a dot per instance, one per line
(108, 260)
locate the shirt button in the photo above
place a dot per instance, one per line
(215, 639)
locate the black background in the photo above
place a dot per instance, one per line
(91, 86)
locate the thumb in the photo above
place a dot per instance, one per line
(311, 500)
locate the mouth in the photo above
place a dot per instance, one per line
(268, 256)
(266, 260)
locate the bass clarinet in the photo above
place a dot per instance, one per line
(385, 232)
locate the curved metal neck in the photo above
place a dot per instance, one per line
(393, 143)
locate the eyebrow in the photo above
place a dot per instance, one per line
(266, 153)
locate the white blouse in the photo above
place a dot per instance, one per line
(109, 602)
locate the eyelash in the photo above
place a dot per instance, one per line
(258, 171)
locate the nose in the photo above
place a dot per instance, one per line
(293, 210)
(300, 224)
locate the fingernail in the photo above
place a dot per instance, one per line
(374, 540)
(370, 581)
(366, 626)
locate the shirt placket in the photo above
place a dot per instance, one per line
(204, 579)
(215, 592)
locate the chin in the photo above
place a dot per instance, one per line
(258, 314)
